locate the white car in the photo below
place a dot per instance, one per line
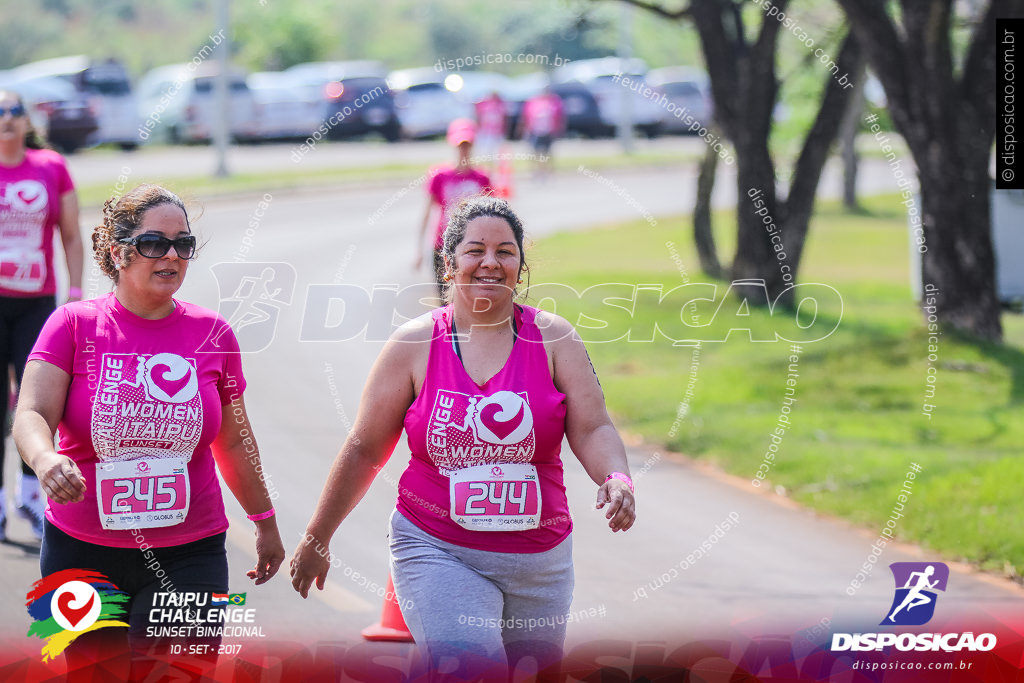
(689, 92)
(179, 101)
(284, 108)
(604, 78)
(427, 101)
(105, 86)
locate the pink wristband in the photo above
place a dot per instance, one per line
(263, 515)
(75, 292)
(621, 477)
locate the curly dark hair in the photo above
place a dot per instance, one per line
(477, 207)
(122, 217)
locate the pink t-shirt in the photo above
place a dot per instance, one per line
(490, 117)
(449, 186)
(30, 195)
(543, 114)
(141, 389)
(517, 417)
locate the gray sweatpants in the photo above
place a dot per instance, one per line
(475, 613)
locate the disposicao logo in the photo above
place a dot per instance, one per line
(914, 605)
(916, 583)
(68, 603)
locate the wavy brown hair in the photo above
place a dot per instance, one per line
(122, 217)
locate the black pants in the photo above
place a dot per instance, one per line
(20, 323)
(200, 567)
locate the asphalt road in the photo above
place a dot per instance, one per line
(778, 568)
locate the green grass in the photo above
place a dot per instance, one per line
(857, 424)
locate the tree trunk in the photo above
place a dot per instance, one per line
(948, 121)
(848, 141)
(795, 214)
(703, 237)
(960, 262)
(755, 258)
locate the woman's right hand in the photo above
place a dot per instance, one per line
(310, 562)
(60, 479)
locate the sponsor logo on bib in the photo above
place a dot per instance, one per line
(467, 430)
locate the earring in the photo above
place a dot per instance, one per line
(447, 277)
(117, 266)
(520, 281)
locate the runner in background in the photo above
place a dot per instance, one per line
(491, 122)
(486, 389)
(37, 199)
(447, 186)
(145, 406)
(541, 122)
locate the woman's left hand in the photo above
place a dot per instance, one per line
(269, 552)
(621, 504)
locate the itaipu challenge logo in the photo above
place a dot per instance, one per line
(68, 603)
(916, 586)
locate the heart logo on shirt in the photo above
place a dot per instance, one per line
(73, 614)
(171, 378)
(163, 378)
(503, 418)
(491, 417)
(27, 195)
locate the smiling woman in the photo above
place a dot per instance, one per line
(146, 391)
(486, 389)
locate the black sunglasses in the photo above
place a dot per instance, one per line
(157, 246)
(16, 111)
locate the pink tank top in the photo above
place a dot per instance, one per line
(506, 428)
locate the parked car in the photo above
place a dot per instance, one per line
(283, 108)
(355, 97)
(427, 101)
(582, 116)
(107, 89)
(603, 79)
(180, 100)
(57, 111)
(688, 90)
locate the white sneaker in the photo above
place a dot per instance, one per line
(33, 512)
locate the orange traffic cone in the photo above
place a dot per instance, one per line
(391, 626)
(503, 186)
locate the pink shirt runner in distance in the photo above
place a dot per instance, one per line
(445, 432)
(123, 400)
(448, 186)
(30, 206)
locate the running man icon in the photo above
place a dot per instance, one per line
(916, 586)
(915, 597)
(252, 296)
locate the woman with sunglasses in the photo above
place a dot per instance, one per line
(37, 198)
(145, 403)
